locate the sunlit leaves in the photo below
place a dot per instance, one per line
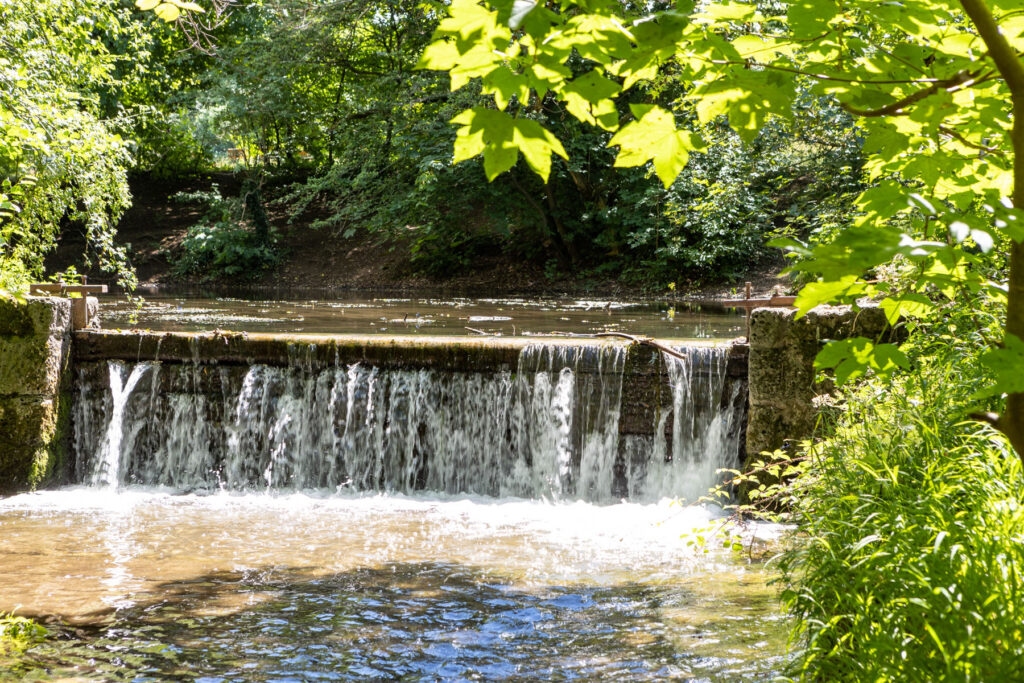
(546, 74)
(854, 251)
(817, 293)
(589, 98)
(718, 13)
(504, 84)
(594, 36)
(653, 136)
(478, 60)
(61, 163)
(853, 358)
(811, 18)
(500, 138)
(909, 305)
(168, 10)
(1007, 365)
(747, 98)
(469, 20)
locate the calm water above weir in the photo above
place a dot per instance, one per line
(429, 316)
(311, 586)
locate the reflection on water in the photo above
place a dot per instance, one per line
(154, 586)
(169, 313)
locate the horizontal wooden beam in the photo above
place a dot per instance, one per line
(759, 303)
(61, 288)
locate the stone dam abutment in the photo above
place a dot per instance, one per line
(558, 417)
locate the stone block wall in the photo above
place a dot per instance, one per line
(35, 355)
(781, 368)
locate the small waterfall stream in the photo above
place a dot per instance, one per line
(547, 430)
(106, 464)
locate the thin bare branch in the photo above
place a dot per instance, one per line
(959, 81)
(988, 149)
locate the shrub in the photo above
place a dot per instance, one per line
(232, 238)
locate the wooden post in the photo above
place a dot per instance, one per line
(80, 313)
(79, 305)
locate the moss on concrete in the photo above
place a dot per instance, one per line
(28, 441)
(35, 353)
(34, 347)
(783, 383)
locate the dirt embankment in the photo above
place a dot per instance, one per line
(317, 260)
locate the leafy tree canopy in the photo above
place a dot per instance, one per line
(61, 161)
(936, 86)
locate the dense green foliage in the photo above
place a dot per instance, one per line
(933, 86)
(233, 239)
(334, 91)
(62, 162)
(909, 564)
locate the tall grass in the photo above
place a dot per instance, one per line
(910, 562)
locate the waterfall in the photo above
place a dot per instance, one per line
(549, 429)
(108, 456)
(705, 428)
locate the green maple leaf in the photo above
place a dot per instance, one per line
(654, 137)
(500, 137)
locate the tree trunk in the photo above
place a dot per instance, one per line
(1011, 68)
(562, 238)
(1012, 421)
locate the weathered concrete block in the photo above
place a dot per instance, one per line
(840, 322)
(92, 307)
(35, 345)
(32, 365)
(35, 316)
(781, 370)
(769, 327)
(35, 355)
(766, 429)
(777, 372)
(32, 447)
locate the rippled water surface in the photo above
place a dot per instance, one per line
(429, 316)
(148, 585)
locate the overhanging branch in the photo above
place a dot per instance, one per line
(959, 80)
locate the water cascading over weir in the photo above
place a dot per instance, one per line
(587, 419)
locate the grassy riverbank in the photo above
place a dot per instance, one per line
(909, 563)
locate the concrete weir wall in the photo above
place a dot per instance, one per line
(488, 415)
(774, 375)
(35, 385)
(645, 392)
